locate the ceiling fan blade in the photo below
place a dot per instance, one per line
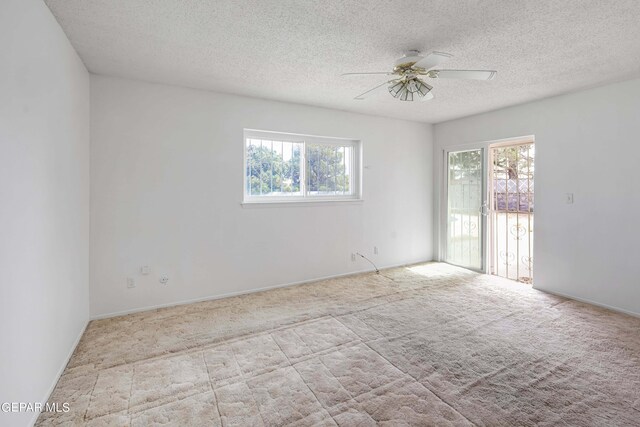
(371, 91)
(428, 97)
(433, 60)
(463, 74)
(364, 74)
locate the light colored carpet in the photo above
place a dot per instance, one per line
(422, 345)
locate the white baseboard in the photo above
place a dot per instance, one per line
(250, 291)
(588, 301)
(60, 371)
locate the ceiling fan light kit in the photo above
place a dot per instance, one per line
(406, 84)
(409, 90)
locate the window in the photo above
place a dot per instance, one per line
(282, 167)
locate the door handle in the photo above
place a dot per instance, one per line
(483, 209)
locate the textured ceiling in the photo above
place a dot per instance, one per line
(294, 50)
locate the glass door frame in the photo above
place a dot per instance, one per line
(444, 226)
(444, 187)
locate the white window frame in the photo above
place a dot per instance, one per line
(355, 177)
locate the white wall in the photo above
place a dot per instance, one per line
(587, 143)
(166, 181)
(44, 203)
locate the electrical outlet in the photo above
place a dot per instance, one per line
(375, 250)
(131, 283)
(353, 257)
(568, 198)
(164, 279)
(144, 270)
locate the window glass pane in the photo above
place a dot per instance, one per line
(329, 169)
(286, 165)
(273, 167)
(250, 166)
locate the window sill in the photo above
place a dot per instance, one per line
(294, 203)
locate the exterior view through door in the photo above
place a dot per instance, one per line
(489, 209)
(511, 213)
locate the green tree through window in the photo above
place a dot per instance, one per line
(268, 172)
(327, 169)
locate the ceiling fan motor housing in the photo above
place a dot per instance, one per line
(409, 58)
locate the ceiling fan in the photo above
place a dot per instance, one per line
(407, 84)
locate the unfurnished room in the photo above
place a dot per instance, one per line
(319, 213)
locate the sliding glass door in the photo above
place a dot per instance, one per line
(465, 208)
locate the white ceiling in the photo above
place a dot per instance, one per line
(294, 50)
